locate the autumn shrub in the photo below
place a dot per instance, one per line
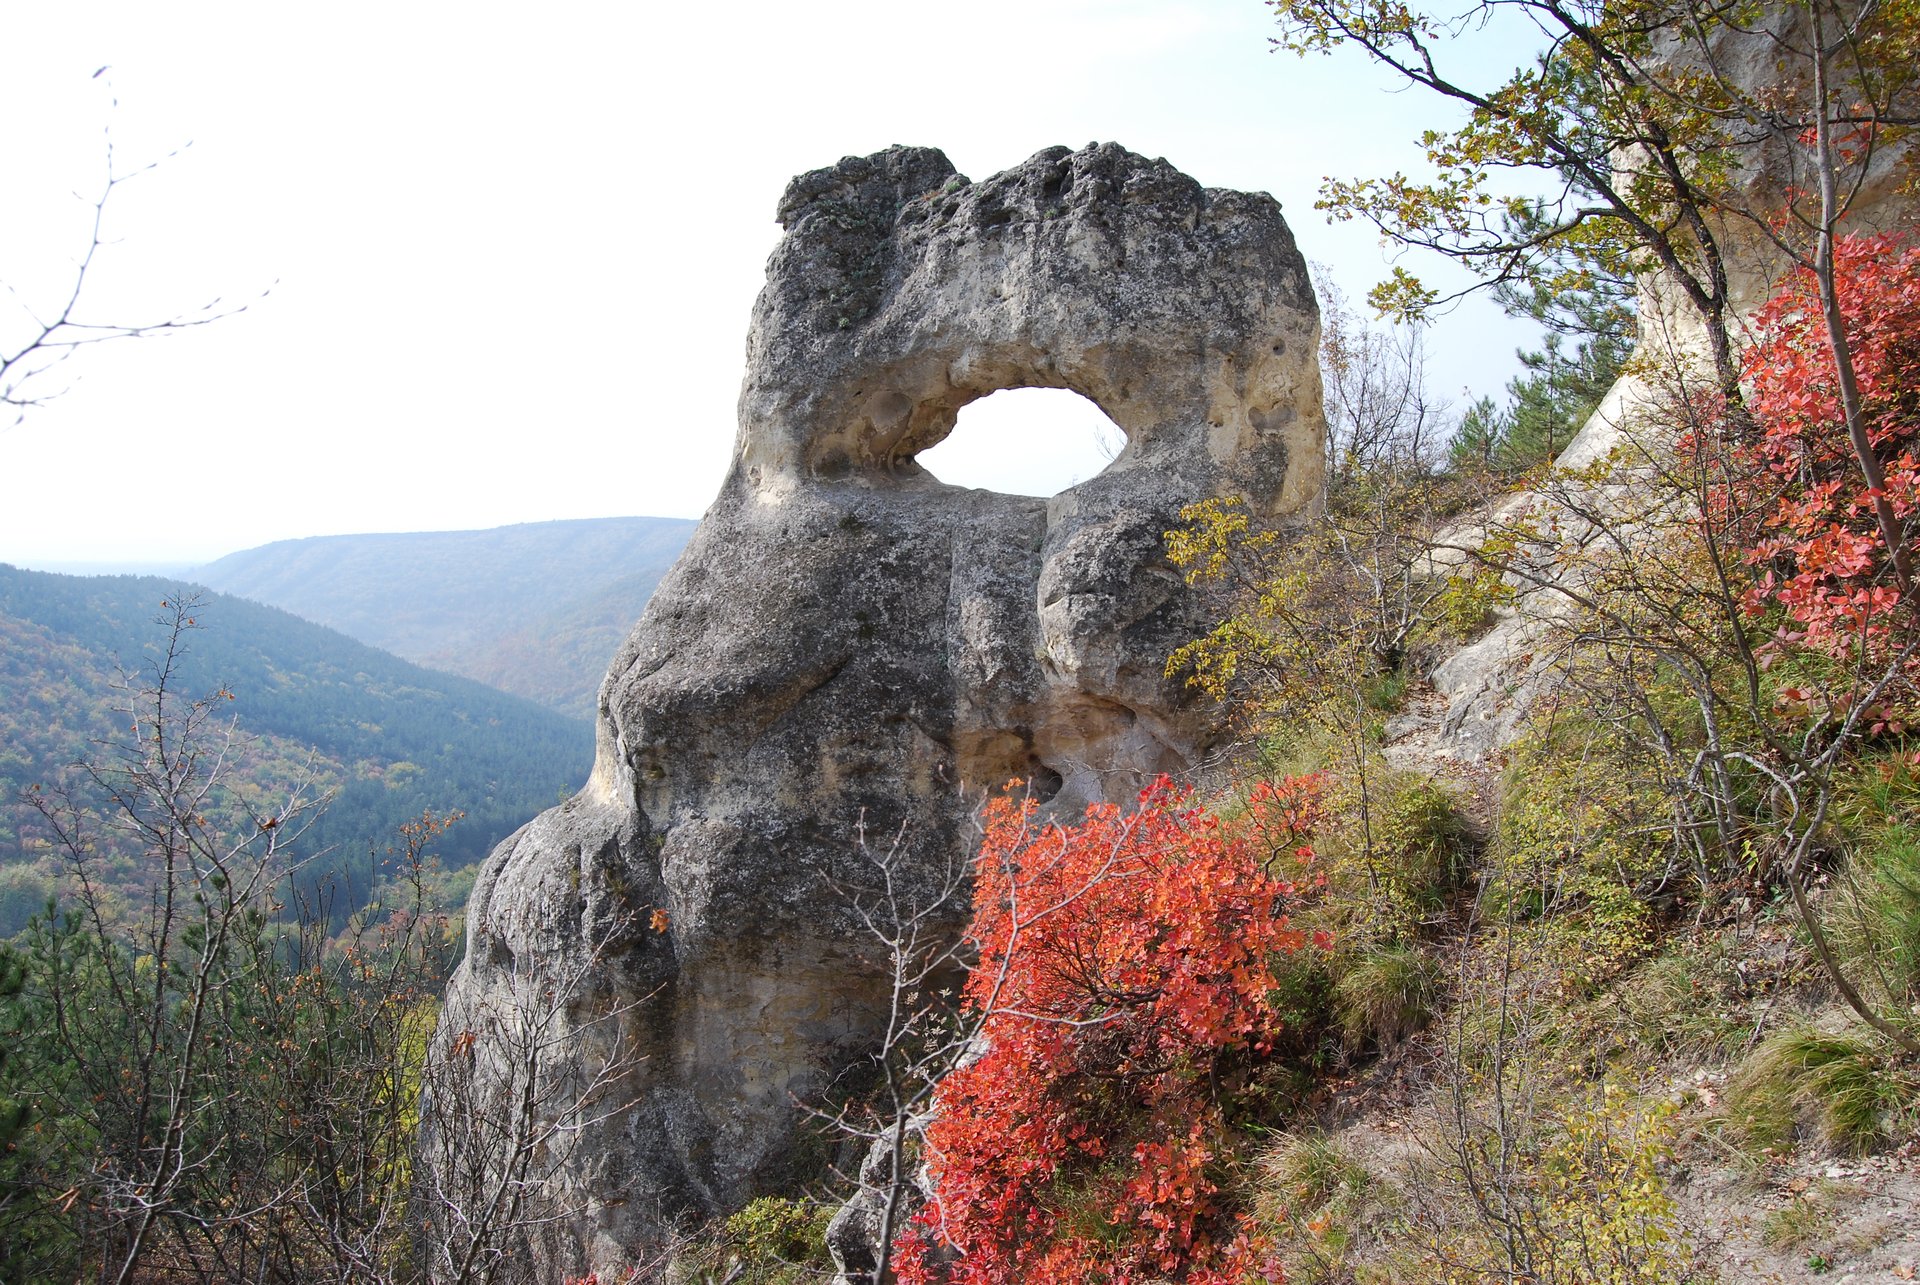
(1124, 986)
(1822, 552)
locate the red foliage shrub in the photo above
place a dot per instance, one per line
(1821, 554)
(1124, 975)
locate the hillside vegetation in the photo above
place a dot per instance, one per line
(535, 609)
(1634, 999)
(390, 739)
(1620, 988)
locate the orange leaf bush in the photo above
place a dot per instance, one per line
(1124, 976)
(1818, 549)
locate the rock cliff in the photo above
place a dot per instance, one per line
(1763, 65)
(848, 645)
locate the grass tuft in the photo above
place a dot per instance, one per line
(1384, 992)
(1303, 1173)
(1842, 1085)
(1876, 922)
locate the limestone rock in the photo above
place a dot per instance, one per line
(858, 1229)
(1492, 683)
(850, 646)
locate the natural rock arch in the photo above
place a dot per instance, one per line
(1025, 441)
(847, 642)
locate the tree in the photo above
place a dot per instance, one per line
(43, 335)
(14, 1114)
(1708, 149)
(1721, 603)
(150, 1005)
(218, 1085)
(1382, 420)
(1814, 531)
(925, 1035)
(503, 1101)
(1588, 338)
(1659, 155)
(1476, 443)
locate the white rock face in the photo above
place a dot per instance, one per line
(1491, 682)
(848, 642)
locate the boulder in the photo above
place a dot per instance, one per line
(850, 652)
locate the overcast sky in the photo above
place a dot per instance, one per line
(497, 260)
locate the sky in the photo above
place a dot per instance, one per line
(487, 263)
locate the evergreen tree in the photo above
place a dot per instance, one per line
(1563, 385)
(1476, 443)
(1588, 336)
(14, 1115)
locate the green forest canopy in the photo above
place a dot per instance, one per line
(392, 739)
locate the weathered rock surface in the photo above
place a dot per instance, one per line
(848, 642)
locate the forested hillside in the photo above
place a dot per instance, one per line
(559, 659)
(391, 738)
(535, 609)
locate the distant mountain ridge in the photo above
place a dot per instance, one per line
(392, 738)
(535, 609)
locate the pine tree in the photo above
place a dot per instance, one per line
(1588, 336)
(14, 1115)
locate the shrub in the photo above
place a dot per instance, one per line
(1124, 978)
(1580, 849)
(1394, 846)
(1823, 555)
(1573, 1197)
(773, 1241)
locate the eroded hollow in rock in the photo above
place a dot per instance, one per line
(1025, 441)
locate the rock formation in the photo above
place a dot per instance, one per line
(849, 644)
(1764, 60)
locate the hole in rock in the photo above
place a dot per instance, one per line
(1043, 781)
(1025, 441)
